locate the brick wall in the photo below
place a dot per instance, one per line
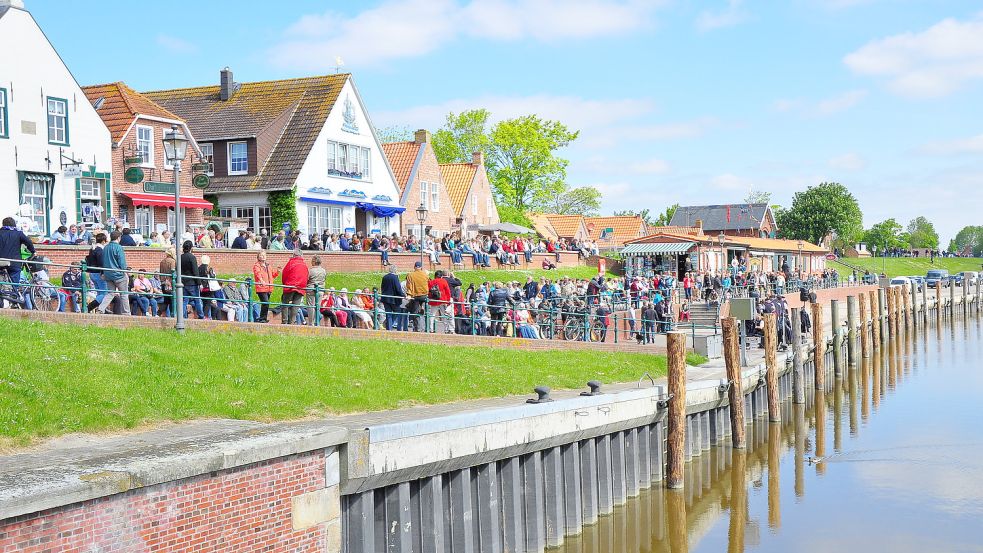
(226, 261)
(441, 220)
(480, 194)
(248, 508)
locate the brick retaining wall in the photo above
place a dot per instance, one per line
(226, 261)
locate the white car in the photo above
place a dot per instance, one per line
(900, 281)
(968, 278)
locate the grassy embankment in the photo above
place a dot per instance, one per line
(63, 378)
(910, 266)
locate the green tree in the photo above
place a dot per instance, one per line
(665, 217)
(822, 210)
(969, 236)
(394, 133)
(921, 233)
(462, 135)
(645, 214)
(585, 200)
(757, 197)
(884, 236)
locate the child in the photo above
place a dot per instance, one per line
(684, 313)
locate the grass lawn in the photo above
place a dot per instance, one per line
(910, 266)
(62, 378)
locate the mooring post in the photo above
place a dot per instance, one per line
(899, 313)
(735, 392)
(771, 367)
(952, 299)
(819, 345)
(798, 386)
(834, 315)
(851, 331)
(979, 280)
(913, 290)
(965, 288)
(864, 333)
(676, 423)
(876, 307)
(889, 296)
(938, 303)
(882, 315)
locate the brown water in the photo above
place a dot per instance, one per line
(901, 442)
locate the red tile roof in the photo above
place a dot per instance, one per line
(623, 228)
(458, 178)
(402, 156)
(121, 105)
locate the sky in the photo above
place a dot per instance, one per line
(676, 101)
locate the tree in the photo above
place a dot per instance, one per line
(757, 197)
(884, 235)
(462, 135)
(969, 236)
(820, 211)
(585, 200)
(665, 217)
(645, 214)
(394, 133)
(921, 233)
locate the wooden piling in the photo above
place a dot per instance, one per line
(864, 332)
(851, 331)
(875, 324)
(906, 298)
(924, 288)
(732, 358)
(798, 386)
(881, 317)
(771, 367)
(938, 303)
(834, 314)
(889, 296)
(676, 423)
(913, 298)
(952, 299)
(965, 288)
(819, 343)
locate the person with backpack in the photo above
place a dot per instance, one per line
(439, 294)
(499, 302)
(417, 288)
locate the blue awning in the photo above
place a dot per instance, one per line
(380, 210)
(323, 201)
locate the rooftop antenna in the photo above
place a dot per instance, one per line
(338, 64)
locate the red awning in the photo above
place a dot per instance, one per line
(165, 200)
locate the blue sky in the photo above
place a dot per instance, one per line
(677, 101)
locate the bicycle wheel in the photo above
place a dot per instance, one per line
(573, 330)
(41, 299)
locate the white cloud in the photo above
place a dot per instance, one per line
(401, 29)
(848, 162)
(971, 145)
(733, 14)
(821, 108)
(650, 167)
(176, 45)
(928, 64)
(730, 182)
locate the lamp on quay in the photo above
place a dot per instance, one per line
(802, 265)
(421, 215)
(175, 149)
(723, 254)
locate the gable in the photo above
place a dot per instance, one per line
(458, 178)
(402, 157)
(119, 106)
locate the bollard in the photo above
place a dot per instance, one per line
(676, 423)
(864, 332)
(84, 307)
(875, 325)
(771, 367)
(317, 305)
(909, 318)
(375, 309)
(834, 311)
(249, 295)
(798, 386)
(819, 346)
(735, 392)
(851, 331)
(924, 288)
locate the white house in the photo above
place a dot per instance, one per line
(304, 142)
(55, 151)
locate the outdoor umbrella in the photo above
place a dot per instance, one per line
(505, 227)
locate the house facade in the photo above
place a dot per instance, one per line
(55, 162)
(751, 220)
(142, 190)
(418, 176)
(301, 148)
(471, 194)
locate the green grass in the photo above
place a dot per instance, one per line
(910, 266)
(63, 378)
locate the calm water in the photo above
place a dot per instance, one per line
(901, 436)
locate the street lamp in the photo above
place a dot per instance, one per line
(723, 255)
(421, 215)
(801, 261)
(175, 149)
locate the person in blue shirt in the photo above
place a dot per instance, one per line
(344, 243)
(11, 242)
(117, 283)
(126, 239)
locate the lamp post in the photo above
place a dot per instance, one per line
(801, 261)
(723, 254)
(421, 215)
(175, 149)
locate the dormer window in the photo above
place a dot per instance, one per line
(238, 158)
(145, 145)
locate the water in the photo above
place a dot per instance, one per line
(899, 442)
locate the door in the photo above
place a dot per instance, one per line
(361, 223)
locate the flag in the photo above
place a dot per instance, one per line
(728, 214)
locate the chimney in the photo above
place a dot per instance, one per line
(699, 227)
(421, 136)
(226, 87)
(478, 158)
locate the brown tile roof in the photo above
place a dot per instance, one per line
(624, 227)
(402, 156)
(541, 224)
(457, 179)
(121, 105)
(695, 231)
(565, 225)
(774, 244)
(253, 109)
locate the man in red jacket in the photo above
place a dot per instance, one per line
(294, 287)
(440, 299)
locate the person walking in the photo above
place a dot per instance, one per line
(188, 265)
(316, 276)
(263, 275)
(117, 283)
(417, 288)
(392, 299)
(439, 292)
(11, 241)
(295, 274)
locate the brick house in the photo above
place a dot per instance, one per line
(471, 194)
(137, 126)
(612, 232)
(752, 220)
(554, 227)
(305, 143)
(418, 176)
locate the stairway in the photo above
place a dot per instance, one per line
(703, 314)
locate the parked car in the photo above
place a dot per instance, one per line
(967, 277)
(900, 281)
(937, 275)
(917, 280)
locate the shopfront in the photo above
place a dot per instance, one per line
(646, 260)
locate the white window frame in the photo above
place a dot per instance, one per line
(332, 155)
(382, 223)
(35, 194)
(353, 156)
(4, 127)
(148, 159)
(209, 157)
(146, 226)
(229, 150)
(474, 205)
(488, 204)
(63, 116)
(312, 214)
(434, 197)
(335, 221)
(89, 189)
(424, 192)
(366, 164)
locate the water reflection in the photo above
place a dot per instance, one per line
(909, 472)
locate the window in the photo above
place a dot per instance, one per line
(334, 223)
(4, 127)
(365, 163)
(322, 222)
(424, 192)
(474, 205)
(57, 121)
(332, 154)
(145, 144)
(89, 189)
(488, 206)
(247, 213)
(238, 158)
(342, 157)
(265, 219)
(434, 197)
(349, 161)
(225, 212)
(143, 218)
(208, 156)
(35, 194)
(312, 212)
(382, 223)
(353, 159)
